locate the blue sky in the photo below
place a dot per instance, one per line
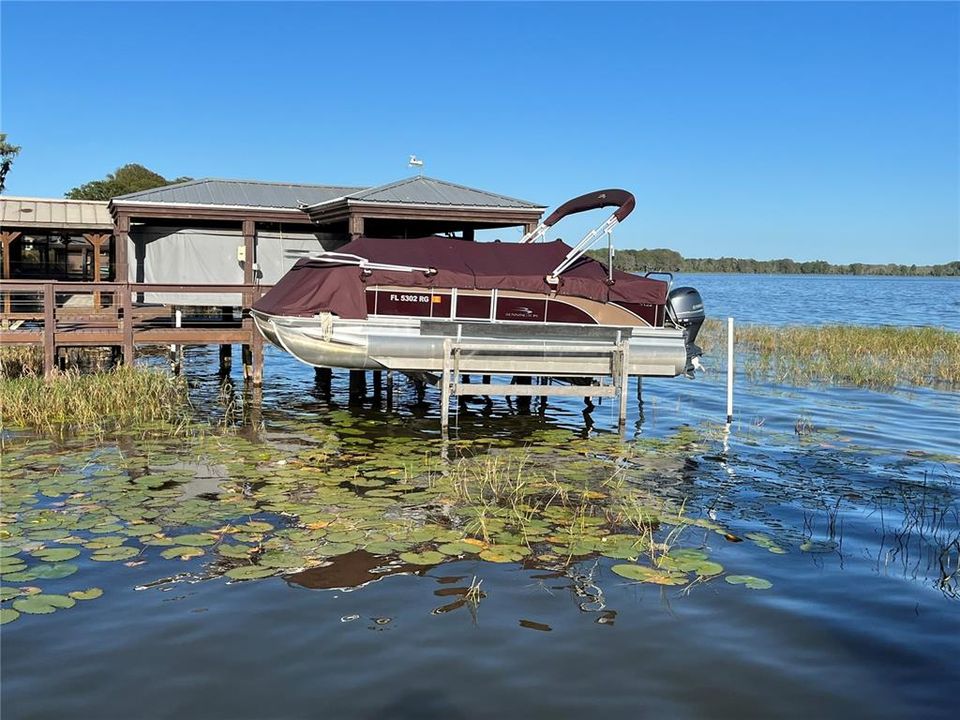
(813, 131)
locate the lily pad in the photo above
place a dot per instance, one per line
(754, 583)
(430, 557)
(8, 615)
(54, 571)
(641, 573)
(181, 552)
(88, 594)
(55, 554)
(34, 605)
(458, 548)
(116, 553)
(196, 539)
(250, 572)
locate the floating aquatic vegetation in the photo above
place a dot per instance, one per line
(224, 505)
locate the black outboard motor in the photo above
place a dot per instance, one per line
(685, 310)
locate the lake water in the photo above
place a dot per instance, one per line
(837, 509)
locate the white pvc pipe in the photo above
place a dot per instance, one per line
(729, 370)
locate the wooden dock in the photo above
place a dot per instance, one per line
(63, 314)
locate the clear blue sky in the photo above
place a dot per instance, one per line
(813, 131)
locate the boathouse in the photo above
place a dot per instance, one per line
(83, 273)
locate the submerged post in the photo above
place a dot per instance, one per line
(389, 389)
(729, 370)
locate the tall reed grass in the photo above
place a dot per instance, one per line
(121, 397)
(877, 357)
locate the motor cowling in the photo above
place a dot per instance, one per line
(685, 310)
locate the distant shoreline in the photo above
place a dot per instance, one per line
(672, 261)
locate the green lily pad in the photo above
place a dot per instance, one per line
(754, 583)
(56, 554)
(250, 572)
(53, 572)
(708, 568)
(116, 553)
(34, 606)
(458, 548)
(8, 551)
(9, 592)
(641, 573)
(430, 557)
(107, 541)
(181, 552)
(8, 615)
(233, 550)
(58, 601)
(196, 540)
(89, 594)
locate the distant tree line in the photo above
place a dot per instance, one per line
(671, 260)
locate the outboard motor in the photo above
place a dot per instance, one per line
(685, 310)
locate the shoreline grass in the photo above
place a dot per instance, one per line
(874, 357)
(120, 397)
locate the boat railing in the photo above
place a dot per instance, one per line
(337, 258)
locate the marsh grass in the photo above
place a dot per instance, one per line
(876, 357)
(20, 361)
(122, 397)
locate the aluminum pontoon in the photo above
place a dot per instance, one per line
(542, 307)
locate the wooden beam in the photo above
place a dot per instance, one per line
(7, 238)
(250, 249)
(96, 240)
(126, 299)
(49, 329)
(199, 212)
(355, 225)
(121, 272)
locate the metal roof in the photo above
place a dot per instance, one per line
(238, 193)
(422, 190)
(54, 213)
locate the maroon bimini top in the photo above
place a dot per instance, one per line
(312, 286)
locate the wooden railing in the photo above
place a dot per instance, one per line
(56, 314)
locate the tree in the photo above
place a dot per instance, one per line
(7, 153)
(127, 179)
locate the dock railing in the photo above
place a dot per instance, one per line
(61, 314)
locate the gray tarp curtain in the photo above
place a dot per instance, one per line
(208, 256)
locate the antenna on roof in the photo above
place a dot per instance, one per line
(416, 162)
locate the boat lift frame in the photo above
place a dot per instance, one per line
(495, 363)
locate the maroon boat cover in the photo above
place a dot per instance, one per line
(312, 286)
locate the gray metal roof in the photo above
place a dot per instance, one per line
(421, 190)
(54, 213)
(238, 193)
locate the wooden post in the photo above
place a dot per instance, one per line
(49, 329)
(358, 385)
(96, 241)
(246, 354)
(377, 385)
(6, 239)
(389, 389)
(322, 378)
(468, 234)
(226, 359)
(121, 235)
(127, 302)
(355, 226)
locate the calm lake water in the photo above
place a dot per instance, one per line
(836, 510)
